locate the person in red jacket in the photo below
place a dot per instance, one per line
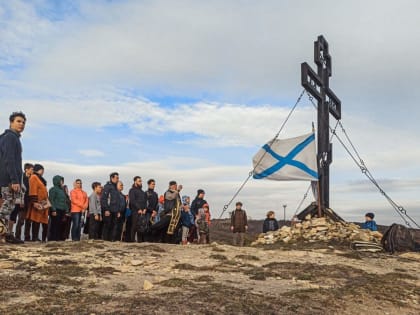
(79, 203)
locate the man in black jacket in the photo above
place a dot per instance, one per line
(152, 197)
(138, 206)
(118, 236)
(152, 203)
(10, 168)
(110, 204)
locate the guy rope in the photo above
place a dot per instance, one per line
(316, 85)
(354, 155)
(251, 173)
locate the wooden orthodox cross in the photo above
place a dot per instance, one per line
(317, 84)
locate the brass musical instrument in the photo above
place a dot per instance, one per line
(176, 215)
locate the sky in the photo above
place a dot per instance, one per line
(190, 90)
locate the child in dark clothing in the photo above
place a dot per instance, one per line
(370, 224)
(270, 223)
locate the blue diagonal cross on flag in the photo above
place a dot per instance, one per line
(288, 159)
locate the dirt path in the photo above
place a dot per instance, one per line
(109, 278)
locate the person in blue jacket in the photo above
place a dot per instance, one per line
(369, 224)
(270, 223)
(186, 222)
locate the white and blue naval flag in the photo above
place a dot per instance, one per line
(287, 159)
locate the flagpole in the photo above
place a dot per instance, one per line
(319, 190)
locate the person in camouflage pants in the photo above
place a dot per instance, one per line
(10, 170)
(8, 200)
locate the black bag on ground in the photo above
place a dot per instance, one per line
(398, 238)
(142, 224)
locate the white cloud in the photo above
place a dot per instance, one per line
(239, 48)
(92, 111)
(91, 153)
(218, 124)
(21, 29)
(230, 124)
(80, 71)
(385, 150)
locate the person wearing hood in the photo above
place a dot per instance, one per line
(59, 208)
(39, 203)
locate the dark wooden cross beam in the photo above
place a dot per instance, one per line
(317, 84)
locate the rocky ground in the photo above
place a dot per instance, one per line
(95, 277)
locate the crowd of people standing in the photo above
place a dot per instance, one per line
(107, 213)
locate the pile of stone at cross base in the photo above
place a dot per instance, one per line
(318, 229)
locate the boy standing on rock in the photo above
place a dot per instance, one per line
(239, 224)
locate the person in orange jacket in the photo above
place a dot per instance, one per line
(79, 204)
